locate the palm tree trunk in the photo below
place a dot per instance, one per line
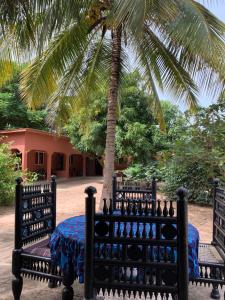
(111, 114)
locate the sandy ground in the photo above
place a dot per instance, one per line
(70, 202)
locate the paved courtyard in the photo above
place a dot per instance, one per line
(70, 202)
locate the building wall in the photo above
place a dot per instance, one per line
(49, 143)
(28, 141)
(16, 140)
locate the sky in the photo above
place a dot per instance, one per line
(218, 9)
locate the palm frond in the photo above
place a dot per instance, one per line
(155, 105)
(60, 111)
(59, 15)
(133, 14)
(173, 76)
(93, 72)
(39, 80)
(197, 39)
(6, 72)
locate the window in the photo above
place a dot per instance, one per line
(39, 158)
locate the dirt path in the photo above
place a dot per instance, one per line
(70, 202)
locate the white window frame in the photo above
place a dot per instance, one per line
(39, 153)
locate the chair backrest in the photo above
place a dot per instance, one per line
(128, 191)
(219, 216)
(138, 249)
(35, 212)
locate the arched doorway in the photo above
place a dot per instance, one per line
(58, 164)
(76, 165)
(93, 167)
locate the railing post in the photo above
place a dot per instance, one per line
(114, 191)
(52, 283)
(89, 293)
(154, 192)
(17, 282)
(215, 186)
(53, 190)
(18, 216)
(182, 239)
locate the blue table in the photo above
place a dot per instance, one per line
(68, 240)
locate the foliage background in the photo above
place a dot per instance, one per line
(9, 171)
(198, 156)
(13, 111)
(189, 153)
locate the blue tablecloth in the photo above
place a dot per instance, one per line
(68, 240)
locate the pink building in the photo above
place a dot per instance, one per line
(49, 154)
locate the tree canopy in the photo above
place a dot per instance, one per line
(138, 137)
(13, 111)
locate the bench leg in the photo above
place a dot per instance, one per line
(67, 293)
(52, 284)
(215, 294)
(215, 273)
(17, 285)
(93, 296)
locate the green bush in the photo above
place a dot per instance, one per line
(140, 172)
(191, 160)
(198, 157)
(8, 173)
(193, 176)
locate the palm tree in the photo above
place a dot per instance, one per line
(82, 45)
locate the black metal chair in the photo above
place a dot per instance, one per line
(212, 256)
(35, 220)
(133, 192)
(150, 260)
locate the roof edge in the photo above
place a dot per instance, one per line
(31, 130)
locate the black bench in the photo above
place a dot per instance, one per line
(118, 261)
(131, 191)
(35, 220)
(212, 256)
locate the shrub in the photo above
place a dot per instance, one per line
(8, 174)
(193, 176)
(198, 156)
(140, 172)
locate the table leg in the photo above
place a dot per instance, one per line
(68, 279)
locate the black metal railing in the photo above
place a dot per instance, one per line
(35, 214)
(130, 191)
(139, 249)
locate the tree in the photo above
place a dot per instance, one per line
(176, 125)
(198, 156)
(139, 139)
(155, 144)
(81, 46)
(87, 128)
(14, 113)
